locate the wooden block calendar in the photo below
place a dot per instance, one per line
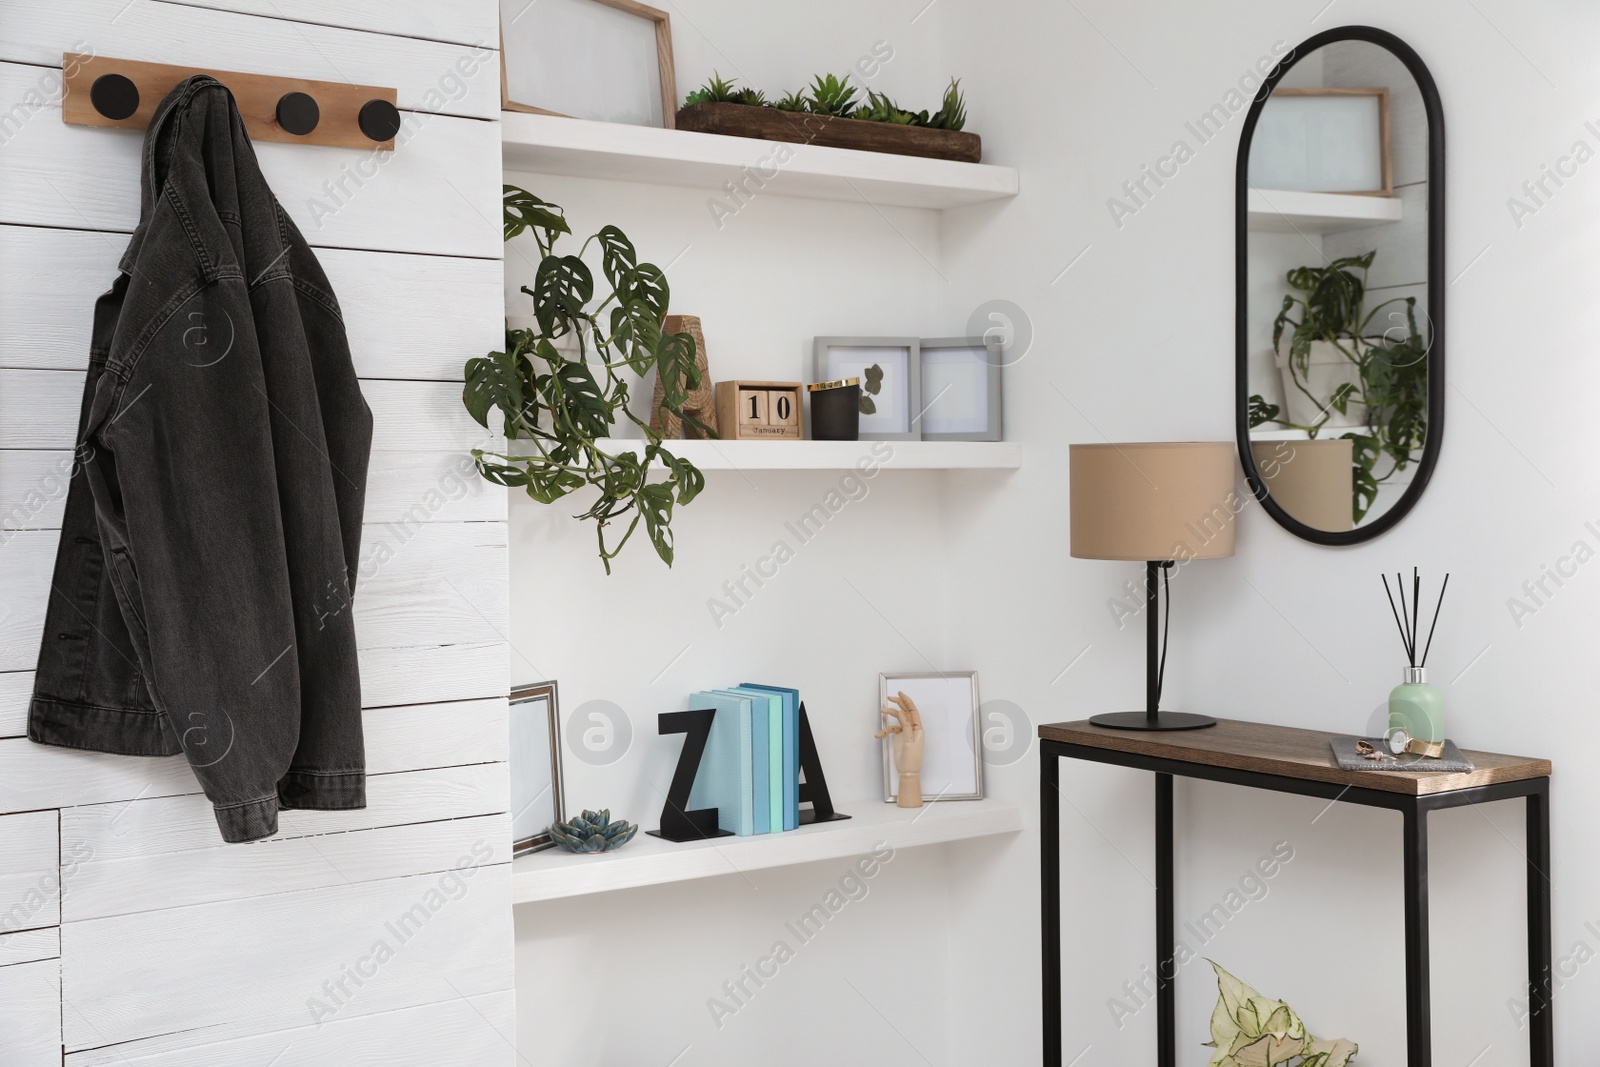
(759, 411)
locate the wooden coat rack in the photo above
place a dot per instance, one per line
(123, 93)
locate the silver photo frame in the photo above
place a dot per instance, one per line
(960, 380)
(537, 791)
(952, 752)
(899, 400)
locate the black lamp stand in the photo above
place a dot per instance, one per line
(1153, 718)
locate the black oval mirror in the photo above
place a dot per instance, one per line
(1340, 300)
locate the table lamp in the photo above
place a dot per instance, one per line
(1163, 503)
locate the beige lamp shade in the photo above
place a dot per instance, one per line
(1313, 481)
(1157, 501)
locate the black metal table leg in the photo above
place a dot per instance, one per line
(1419, 1023)
(1050, 901)
(1541, 1031)
(1166, 930)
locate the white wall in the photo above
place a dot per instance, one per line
(1139, 335)
(134, 935)
(1134, 342)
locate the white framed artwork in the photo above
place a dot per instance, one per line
(890, 372)
(952, 752)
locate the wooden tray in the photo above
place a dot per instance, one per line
(794, 127)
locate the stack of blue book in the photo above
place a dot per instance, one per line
(751, 768)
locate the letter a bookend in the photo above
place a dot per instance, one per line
(813, 787)
(678, 823)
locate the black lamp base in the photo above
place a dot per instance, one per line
(1162, 720)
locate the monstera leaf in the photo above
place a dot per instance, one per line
(1250, 1030)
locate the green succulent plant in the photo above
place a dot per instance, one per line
(717, 91)
(792, 101)
(952, 113)
(593, 832)
(832, 96)
(879, 108)
(1250, 1030)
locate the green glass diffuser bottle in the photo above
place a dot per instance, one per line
(1416, 709)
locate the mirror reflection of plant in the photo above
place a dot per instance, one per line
(1391, 365)
(871, 382)
(562, 406)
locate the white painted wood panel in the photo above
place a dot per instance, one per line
(26, 946)
(31, 1033)
(479, 1031)
(432, 583)
(391, 676)
(165, 826)
(15, 689)
(460, 21)
(438, 735)
(431, 194)
(34, 776)
(275, 958)
(422, 72)
(407, 316)
(405, 487)
(30, 866)
(39, 410)
(235, 872)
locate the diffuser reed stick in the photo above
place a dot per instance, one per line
(1407, 617)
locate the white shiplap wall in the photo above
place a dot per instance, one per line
(131, 934)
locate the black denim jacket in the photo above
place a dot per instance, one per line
(201, 596)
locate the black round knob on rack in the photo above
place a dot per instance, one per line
(114, 96)
(380, 120)
(298, 113)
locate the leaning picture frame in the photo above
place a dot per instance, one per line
(890, 370)
(952, 753)
(961, 383)
(537, 789)
(604, 60)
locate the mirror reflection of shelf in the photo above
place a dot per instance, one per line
(1290, 211)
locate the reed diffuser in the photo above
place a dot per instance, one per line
(1416, 709)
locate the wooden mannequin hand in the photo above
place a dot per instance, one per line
(907, 743)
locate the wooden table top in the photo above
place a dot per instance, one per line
(1292, 753)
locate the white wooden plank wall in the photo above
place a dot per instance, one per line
(129, 933)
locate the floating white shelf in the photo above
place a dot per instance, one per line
(547, 144)
(837, 455)
(646, 860)
(1288, 211)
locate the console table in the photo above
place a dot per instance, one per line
(1296, 761)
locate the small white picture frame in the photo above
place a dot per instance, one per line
(952, 748)
(961, 398)
(897, 401)
(605, 60)
(535, 756)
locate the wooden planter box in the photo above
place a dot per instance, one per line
(770, 124)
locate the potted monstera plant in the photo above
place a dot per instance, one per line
(562, 383)
(1349, 367)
